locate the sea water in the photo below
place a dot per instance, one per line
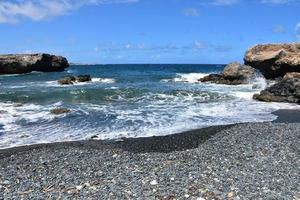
(123, 101)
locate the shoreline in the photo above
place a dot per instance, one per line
(164, 144)
(167, 143)
(242, 161)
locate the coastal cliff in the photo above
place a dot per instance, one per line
(274, 60)
(25, 63)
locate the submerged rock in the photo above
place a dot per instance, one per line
(274, 60)
(59, 111)
(234, 74)
(25, 63)
(286, 90)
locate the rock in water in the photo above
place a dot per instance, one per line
(274, 60)
(214, 78)
(83, 78)
(236, 71)
(25, 63)
(69, 80)
(287, 90)
(59, 111)
(234, 74)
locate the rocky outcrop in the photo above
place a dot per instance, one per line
(70, 80)
(286, 90)
(25, 63)
(233, 74)
(83, 78)
(59, 111)
(274, 60)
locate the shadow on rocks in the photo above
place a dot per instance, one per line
(160, 144)
(164, 144)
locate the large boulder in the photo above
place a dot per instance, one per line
(274, 60)
(286, 90)
(236, 71)
(234, 74)
(25, 63)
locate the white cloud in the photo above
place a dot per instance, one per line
(191, 12)
(278, 29)
(12, 11)
(225, 2)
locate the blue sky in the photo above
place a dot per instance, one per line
(146, 31)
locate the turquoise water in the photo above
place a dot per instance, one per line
(123, 101)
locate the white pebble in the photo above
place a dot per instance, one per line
(154, 182)
(79, 187)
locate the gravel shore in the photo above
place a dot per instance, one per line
(244, 161)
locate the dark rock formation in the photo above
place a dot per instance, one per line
(59, 111)
(70, 80)
(286, 90)
(25, 63)
(233, 74)
(274, 60)
(214, 78)
(83, 78)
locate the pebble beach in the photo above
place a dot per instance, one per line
(242, 161)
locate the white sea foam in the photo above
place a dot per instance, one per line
(94, 81)
(104, 80)
(186, 107)
(188, 78)
(166, 115)
(14, 113)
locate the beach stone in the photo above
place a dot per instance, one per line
(286, 90)
(83, 78)
(274, 60)
(25, 63)
(59, 111)
(94, 137)
(154, 182)
(230, 195)
(54, 170)
(233, 74)
(69, 80)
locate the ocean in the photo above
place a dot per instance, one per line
(123, 101)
